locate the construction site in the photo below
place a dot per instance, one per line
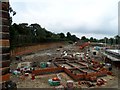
(67, 66)
(57, 65)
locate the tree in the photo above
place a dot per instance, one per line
(91, 39)
(117, 39)
(111, 40)
(106, 40)
(95, 40)
(12, 32)
(68, 35)
(11, 11)
(48, 34)
(23, 34)
(61, 35)
(83, 38)
(74, 38)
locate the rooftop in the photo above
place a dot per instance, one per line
(114, 51)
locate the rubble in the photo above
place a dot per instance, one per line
(101, 82)
(78, 65)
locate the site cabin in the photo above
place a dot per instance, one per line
(113, 57)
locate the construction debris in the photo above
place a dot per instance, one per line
(87, 83)
(80, 66)
(101, 82)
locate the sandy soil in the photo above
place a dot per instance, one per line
(42, 80)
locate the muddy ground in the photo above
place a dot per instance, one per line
(42, 80)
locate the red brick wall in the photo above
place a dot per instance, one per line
(4, 41)
(47, 70)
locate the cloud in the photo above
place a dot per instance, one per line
(95, 17)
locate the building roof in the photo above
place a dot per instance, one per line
(114, 51)
(113, 54)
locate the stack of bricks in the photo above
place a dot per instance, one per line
(4, 42)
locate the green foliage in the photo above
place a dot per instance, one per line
(83, 38)
(72, 37)
(69, 35)
(24, 34)
(61, 35)
(117, 39)
(111, 41)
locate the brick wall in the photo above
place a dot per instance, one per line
(47, 71)
(4, 42)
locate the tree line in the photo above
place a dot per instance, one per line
(111, 41)
(24, 34)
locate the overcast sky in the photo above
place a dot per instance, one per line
(91, 18)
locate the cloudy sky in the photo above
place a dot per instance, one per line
(92, 18)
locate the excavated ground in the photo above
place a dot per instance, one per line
(42, 80)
